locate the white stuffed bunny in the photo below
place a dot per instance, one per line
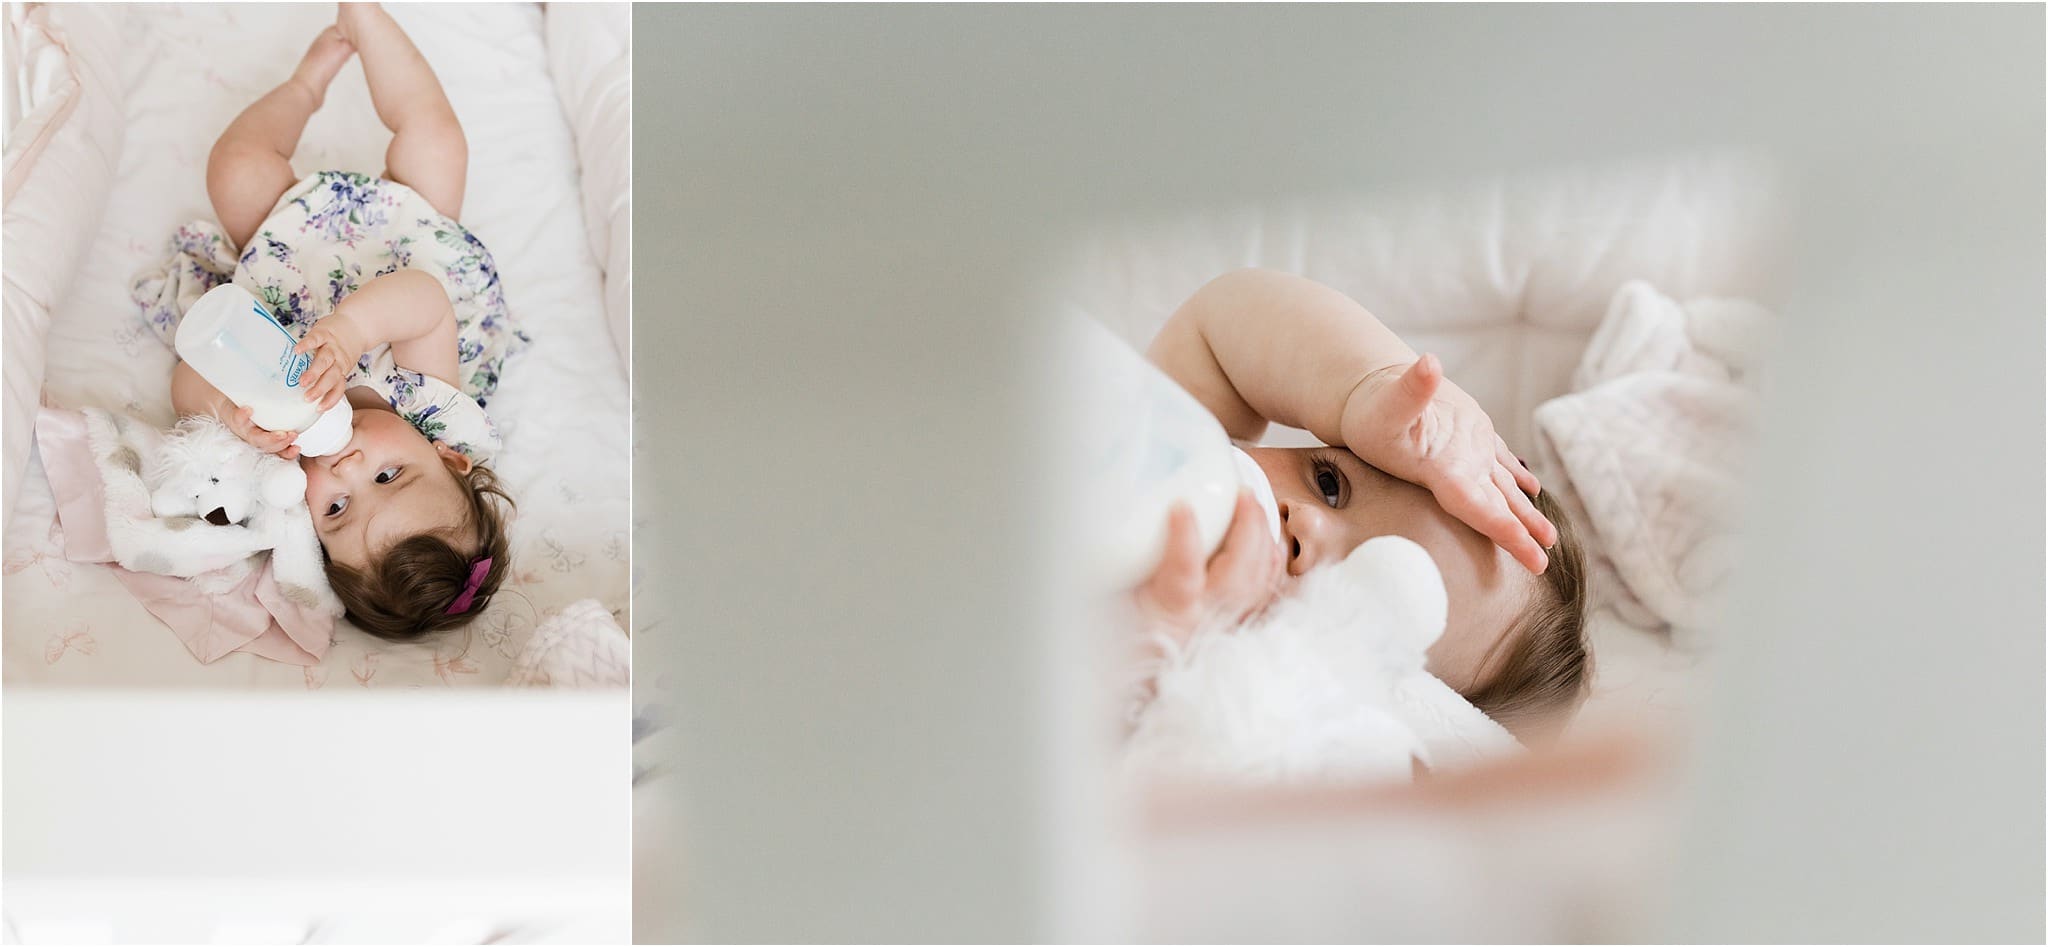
(202, 469)
(203, 504)
(1329, 683)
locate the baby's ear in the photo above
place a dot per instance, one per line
(456, 460)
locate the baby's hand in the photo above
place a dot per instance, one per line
(1412, 423)
(336, 343)
(1240, 579)
(269, 442)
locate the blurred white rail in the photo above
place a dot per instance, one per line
(417, 817)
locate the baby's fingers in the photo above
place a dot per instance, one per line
(326, 393)
(270, 442)
(1524, 477)
(326, 384)
(1539, 526)
(243, 423)
(1246, 569)
(331, 392)
(1176, 586)
(1482, 506)
(1248, 558)
(276, 442)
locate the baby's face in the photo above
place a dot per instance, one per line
(1330, 502)
(389, 483)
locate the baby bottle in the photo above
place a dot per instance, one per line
(1150, 444)
(239, 347)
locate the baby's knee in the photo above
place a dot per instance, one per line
(239, 171)
(229, 156)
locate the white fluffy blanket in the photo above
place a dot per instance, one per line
(1650, 441)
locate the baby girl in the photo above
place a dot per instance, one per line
(1411, 455)
(400, 310)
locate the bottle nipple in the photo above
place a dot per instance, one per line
(328, 434)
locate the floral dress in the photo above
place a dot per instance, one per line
(328, 236)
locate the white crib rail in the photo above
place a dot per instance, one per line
(262, 911)
(478, 817)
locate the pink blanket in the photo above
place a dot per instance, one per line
(256, 616)
(1651, 441)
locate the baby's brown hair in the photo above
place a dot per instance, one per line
(1545, 671)
(408, 592)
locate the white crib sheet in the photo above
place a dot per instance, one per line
(563, 409)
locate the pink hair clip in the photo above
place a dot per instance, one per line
(477, 571)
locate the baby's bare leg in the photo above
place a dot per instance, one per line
(251, 164)
(428, 152)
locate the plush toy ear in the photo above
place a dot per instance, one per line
(1403, 582)
(283, 485)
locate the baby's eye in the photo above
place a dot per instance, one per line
(388, 474)
(335, 507)
(1331, 484)
(1327, 482)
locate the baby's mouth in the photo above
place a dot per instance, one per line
(329, 460)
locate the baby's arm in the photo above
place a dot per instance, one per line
(407, 309)
(410, 310)
(1256, 346)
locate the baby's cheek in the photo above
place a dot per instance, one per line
(316, 485)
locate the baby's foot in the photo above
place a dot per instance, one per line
(349, 17)
(323, 59)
